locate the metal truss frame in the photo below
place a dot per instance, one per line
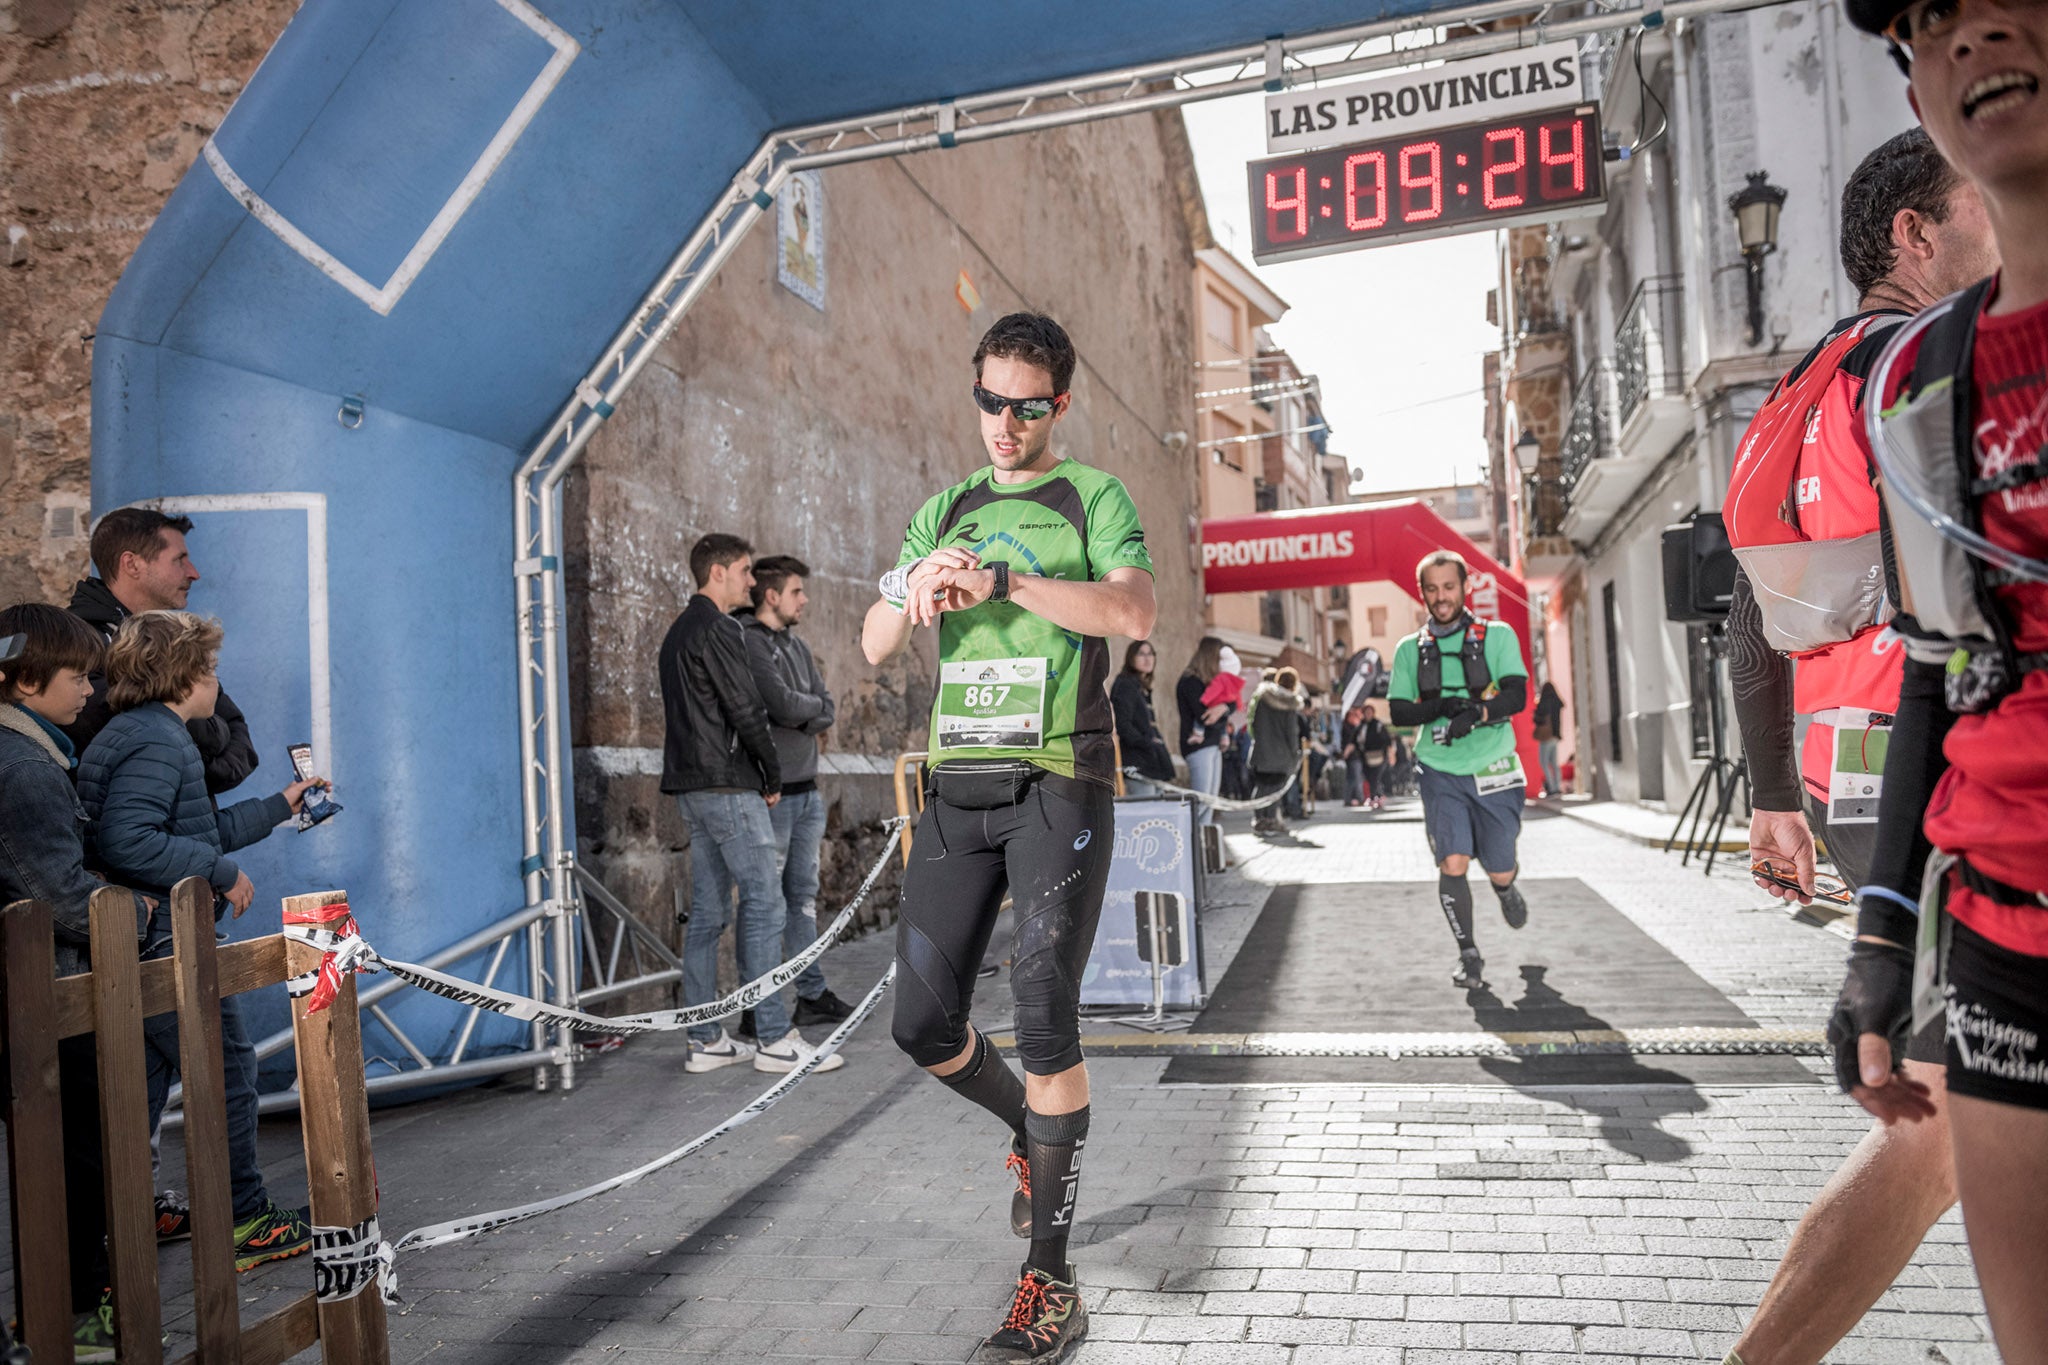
(560, 894)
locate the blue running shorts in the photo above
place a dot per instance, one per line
(1461, 821)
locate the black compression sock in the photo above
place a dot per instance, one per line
(989, 1082)
(1056, 1142)
(1501, 889)
(1456, 895)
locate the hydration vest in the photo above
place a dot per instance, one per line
(1927, 438)
(1801, 513)
(1429, 661)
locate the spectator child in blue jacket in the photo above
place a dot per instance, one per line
(143, 785)
(46, 657)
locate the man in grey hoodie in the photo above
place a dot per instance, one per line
(799, 710)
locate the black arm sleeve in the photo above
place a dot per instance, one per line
(1913, 763)
(1761, 678)
(1509, 701)
(1420, 712)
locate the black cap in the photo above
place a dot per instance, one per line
(1874, 16)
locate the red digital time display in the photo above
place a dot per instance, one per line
(1477, 175)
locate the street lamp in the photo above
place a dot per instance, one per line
(1756, 207)
(1527, 451)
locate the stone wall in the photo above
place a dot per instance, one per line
(818, 432)
(103, 106)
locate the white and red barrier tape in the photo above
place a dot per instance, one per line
(332, 929)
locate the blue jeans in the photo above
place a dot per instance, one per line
(799, 823)
(1205, 774)
(238, 1072)
(732, 843)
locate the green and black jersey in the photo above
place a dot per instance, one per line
(1011, 684)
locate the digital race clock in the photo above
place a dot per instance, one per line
(1521, 169)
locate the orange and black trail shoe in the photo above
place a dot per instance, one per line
(1047, 1321)
(1019, 1165)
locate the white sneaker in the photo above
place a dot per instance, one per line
(789, 1052)
(726, 1050)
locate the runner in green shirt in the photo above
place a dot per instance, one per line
(1024, 569)
(1460, 681)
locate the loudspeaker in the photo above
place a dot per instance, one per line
(1699, 571)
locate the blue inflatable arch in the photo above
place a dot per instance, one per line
(421, 260)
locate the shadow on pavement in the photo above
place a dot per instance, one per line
(1541, 1007)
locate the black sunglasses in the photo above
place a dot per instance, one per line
(1027, 409)
(1825, 889)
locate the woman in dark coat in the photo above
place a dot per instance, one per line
(1276, 743)
(1549, 723)
(1137, 729)
(1202, 727)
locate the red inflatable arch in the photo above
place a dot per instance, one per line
(1314, 547)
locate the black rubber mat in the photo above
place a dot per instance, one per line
(1377, 957)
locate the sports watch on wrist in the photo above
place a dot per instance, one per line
(1001, 591)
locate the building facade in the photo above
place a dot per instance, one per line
(1632, 352)
(1262, 445)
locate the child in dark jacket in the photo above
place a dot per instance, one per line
(143, 785)
(46, 657)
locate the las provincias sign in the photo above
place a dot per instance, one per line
(1545, 76)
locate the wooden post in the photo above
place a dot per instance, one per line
(35, 1130)
(124, 1127)
(334, 1114)
(218, 1322)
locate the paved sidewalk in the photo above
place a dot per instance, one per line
(866, 1216)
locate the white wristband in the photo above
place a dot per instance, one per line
(895, 584)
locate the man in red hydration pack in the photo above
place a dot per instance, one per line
(1958, 424)
(1807, 633)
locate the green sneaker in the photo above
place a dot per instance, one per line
(92, 1334)
(1047, 1321)
(273, 1234)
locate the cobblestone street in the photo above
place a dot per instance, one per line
(866, 1216)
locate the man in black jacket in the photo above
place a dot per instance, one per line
(144, 565)
(719, 762)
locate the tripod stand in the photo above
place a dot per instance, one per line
(1713, 795)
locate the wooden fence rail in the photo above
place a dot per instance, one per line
(110, 1003)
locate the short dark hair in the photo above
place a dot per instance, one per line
(1034, 339)
(131, 530)
(1907, 172)
(1437, 559)
(716, 548)
(52, 639)
(772, 573)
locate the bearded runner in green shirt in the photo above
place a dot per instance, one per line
(1461, 680)
(1024, 569)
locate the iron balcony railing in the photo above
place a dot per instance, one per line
(1589, 434)
(1647, 360)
